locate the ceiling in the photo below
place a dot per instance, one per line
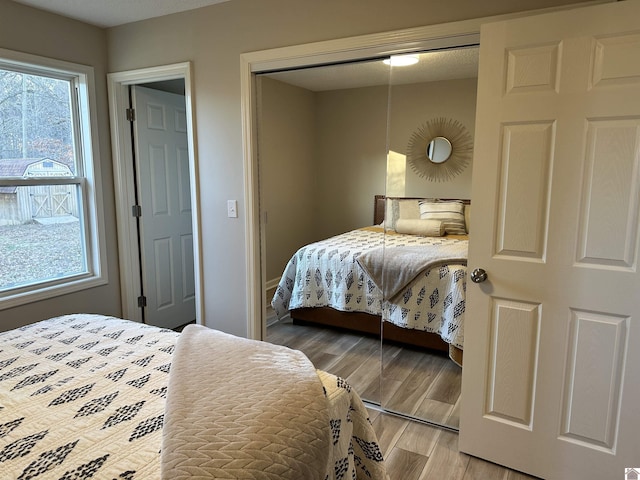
(433, 66)
(110, 13)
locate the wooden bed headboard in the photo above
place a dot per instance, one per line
(380, 201)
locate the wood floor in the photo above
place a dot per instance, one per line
(414, 383)
(415, 451)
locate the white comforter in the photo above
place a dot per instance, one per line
(327, 274)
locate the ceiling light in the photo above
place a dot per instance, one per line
(401, 60)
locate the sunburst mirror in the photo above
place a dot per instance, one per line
(440, 149)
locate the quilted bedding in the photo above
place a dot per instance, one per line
(83, 396)
(256, 410)
(327, 274)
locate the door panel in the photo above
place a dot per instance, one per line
(610, 194)
(591, 405)
(524, 190)
(164, 195)
(550, 379)
(513, 347)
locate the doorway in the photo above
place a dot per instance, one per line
(123, 140)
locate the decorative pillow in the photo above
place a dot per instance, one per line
(423, 228)
(396, 208)
(449, 212)
(408, 209)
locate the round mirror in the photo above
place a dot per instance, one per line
(439, 149)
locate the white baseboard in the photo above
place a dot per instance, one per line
(272, 284)
(270, 290)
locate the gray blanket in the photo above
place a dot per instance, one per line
(392, 269)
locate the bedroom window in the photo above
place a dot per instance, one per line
(50, 235)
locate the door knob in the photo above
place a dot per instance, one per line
(478, 275)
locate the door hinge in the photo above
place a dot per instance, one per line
(131, 114)
(142, 301)
(136, 211)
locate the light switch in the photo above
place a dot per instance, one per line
(232, 208)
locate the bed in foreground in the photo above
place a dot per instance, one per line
(86, 396)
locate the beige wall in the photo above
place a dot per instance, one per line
(213, 38)
(321, 159)
(288, 187)
(352, 133)
(32, 31)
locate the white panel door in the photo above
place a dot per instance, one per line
(162, 166)
(551, 378)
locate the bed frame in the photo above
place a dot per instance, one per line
(369, 325)
(365, 322)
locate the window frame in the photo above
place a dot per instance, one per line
(87, 178)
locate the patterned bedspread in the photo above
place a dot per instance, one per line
(83, 396)
(326, 274)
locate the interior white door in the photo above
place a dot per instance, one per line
(552, 350)
(162, 166)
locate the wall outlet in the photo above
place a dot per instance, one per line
(232, 208)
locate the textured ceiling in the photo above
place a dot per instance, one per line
(431, 67)
(109, 13)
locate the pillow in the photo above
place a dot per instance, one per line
(467, 217)
(424, 228)
(408, 209)
(388, 213)
(396, 208)
(450, 213)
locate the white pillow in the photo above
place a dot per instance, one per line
(449, 212)
(397, 208)
(423, 228)
(408, 209)
(388, 213)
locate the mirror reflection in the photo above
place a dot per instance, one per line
(322, 160)
(334, 177)
(439, 150)
(424, 380)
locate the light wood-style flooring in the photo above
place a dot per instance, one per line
(423, 385)
(415, 383)
(415, 451)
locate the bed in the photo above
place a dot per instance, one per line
(89, 396)
(325, 282)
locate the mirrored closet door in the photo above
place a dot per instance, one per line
(322, 140)
(432, 100)
(333, 143)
